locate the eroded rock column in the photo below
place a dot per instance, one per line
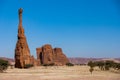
(22, 52)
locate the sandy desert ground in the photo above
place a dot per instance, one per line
(58, 73)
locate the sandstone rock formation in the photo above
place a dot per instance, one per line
(47, 55)
(22, 52)
(59, 57)
(33, 61)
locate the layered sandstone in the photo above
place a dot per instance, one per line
(22, 52)
(47, 55)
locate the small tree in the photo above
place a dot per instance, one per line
(3, 65)
(92, 65)
(116, 66)
(91, 69)
(108, 65)
(100, 64)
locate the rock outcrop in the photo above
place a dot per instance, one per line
(33, 61)
(59, 57)
(22, 52)
(47, 55)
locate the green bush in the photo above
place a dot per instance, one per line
(100, 64)
(109, 64)
(116, 66)
(91, 64)
(104, 65)
(28, 66)
(3, 65)
(51, 64)
(107, 67)
(69, 64)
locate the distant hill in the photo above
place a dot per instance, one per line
(80, 60)
(10, 60)
(75, 60)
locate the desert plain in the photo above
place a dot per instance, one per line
(59, 73)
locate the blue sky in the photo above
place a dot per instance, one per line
(82, 28)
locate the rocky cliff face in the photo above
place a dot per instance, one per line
(47, 55)
(22, 52)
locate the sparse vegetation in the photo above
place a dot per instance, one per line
(92, 65)
(100, 64)
(69, 64)
(28, 66)
(91, 69)
(51, 64)
(104, 65)
(116, 66)
(3, 65)
(61, 73)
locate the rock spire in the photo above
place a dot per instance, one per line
(22, 52)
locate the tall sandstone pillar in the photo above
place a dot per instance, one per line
(22, 52)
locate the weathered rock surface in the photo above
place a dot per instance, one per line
(34, 61)
(22, 52)
(47, 55)
(59, 57)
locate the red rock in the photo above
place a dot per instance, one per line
(47, 55)
(22, 52)
(33, 61)
(59, 57)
